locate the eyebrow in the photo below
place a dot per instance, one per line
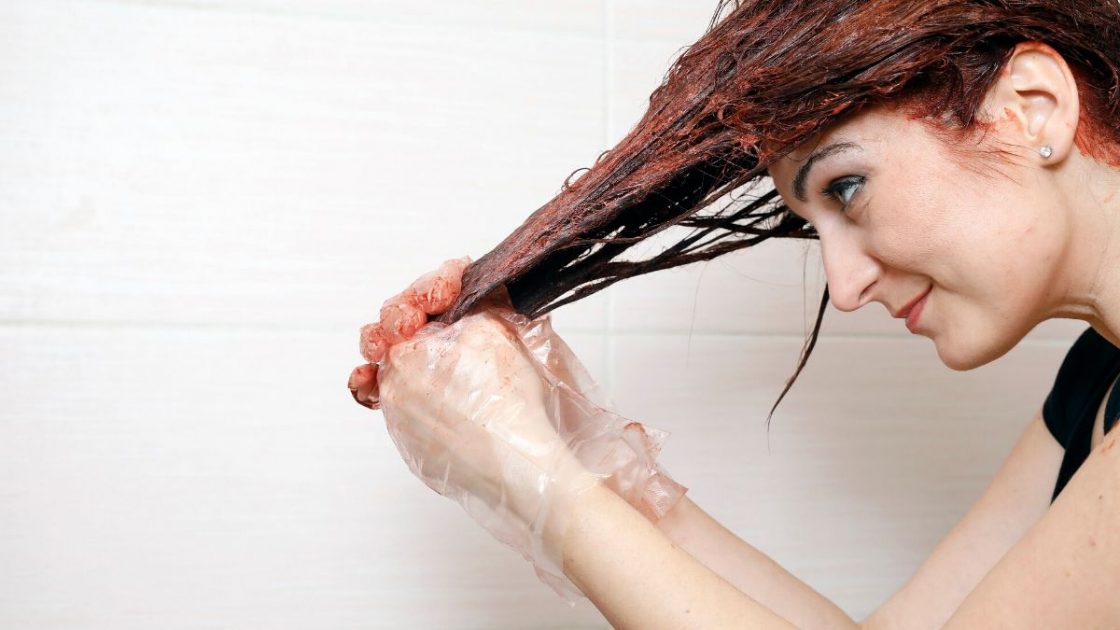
(803, 173)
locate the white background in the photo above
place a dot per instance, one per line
(200, 203)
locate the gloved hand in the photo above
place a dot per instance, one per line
(495, 412)
(469, 414)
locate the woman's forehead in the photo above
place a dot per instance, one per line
(865, 130)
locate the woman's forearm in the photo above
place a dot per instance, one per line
(750, 570)
(639, 579)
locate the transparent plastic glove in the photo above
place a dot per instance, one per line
(623, 451)
(435, 292)
(620, 453)
(469, 414)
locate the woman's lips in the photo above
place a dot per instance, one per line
(915, 313)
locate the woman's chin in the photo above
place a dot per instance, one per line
(969, 355)
(958, 362)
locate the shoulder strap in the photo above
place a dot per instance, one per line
(1112, 408)
(1090, 368)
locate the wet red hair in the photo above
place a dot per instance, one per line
(765, 77)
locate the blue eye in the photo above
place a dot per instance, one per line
(844, 188)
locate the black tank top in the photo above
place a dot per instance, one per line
(1089, 369)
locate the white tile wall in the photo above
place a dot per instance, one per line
(877, 438)
(202, 201)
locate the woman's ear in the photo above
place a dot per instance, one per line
(1037, 93)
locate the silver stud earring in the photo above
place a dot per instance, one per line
(1046, 151)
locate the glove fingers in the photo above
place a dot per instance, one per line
(363, 385)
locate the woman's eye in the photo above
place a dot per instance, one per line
(844, 188)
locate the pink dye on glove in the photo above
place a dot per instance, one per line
(373, 345)
(435, 291)
(401, 318)
(363, 385)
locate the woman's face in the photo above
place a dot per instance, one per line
(901, 215)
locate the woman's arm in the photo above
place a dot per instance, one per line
(1016, 499)
(751, 571)
(639, 579)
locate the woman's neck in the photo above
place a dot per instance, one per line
(1093, 277)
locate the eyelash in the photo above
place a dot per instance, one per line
(832, 190)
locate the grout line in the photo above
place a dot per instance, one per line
(240, 327)
(610, 333)
(784, 336)
(608, 71)
(610, 350)
(334, 16)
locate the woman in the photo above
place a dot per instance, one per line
(960, 163)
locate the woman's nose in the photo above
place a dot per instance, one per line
(850, 270)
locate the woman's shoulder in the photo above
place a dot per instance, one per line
(1082, 381)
